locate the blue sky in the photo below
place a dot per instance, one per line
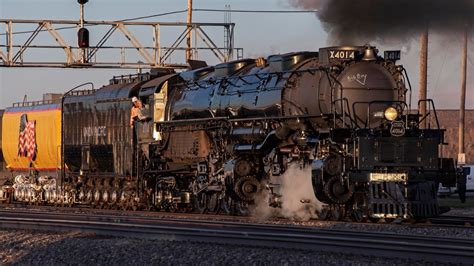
(258, 34)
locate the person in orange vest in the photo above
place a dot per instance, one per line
(135, 111)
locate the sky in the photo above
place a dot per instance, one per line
(257, 34)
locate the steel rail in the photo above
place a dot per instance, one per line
(452, 220)
(366, 243)
(248, 224)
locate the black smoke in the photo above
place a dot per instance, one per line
(384, 21)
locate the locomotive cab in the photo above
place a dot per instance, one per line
(154, 95)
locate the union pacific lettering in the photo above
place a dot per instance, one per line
(97, 131)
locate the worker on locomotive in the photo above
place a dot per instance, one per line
(215, 137)
(137, 111)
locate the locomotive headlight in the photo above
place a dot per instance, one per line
(390, 113)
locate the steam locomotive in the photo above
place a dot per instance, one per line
(211, 139)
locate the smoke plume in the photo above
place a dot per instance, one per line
(297, 196)
(382, 21)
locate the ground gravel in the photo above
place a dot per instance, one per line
(52, 248)
(399, 229)
(468, 212)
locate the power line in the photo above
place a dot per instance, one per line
(184, 11)
(156, 15)
(253, 11)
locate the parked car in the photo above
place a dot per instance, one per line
(447, 191)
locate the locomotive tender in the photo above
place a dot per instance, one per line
(211, 139)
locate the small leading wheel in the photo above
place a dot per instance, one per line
(241, 208)
(336, 214)
(324, 214)
(358, 216)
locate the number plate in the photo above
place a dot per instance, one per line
(342, 54)
(392, 177)
(392, 55)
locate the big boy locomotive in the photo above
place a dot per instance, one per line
(211, 139)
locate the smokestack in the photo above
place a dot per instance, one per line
(189, 52)
(462, 108)
(423, 74)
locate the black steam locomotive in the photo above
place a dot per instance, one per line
(212, 139)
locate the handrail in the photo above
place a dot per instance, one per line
(35, 103)
(431, 102)
(345, 104)
(409, 87)
(63, 163)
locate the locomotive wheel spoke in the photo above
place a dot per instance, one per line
(213, 203)
(226, 205)
(200, 203)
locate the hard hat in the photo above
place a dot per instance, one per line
(134, 99)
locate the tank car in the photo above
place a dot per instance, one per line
(31, 148)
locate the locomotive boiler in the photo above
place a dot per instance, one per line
(212, 139)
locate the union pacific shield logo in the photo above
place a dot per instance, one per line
(27, 138)
(397, 129)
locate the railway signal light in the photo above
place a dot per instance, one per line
(83, 38)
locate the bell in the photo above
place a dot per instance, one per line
(370, 54)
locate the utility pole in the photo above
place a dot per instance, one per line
(423, 74)
(462, 107)
(189, 52)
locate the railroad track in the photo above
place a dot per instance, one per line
(227, 232)
(441, 221)
(455, 221)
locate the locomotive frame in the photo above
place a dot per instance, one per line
(214, 138)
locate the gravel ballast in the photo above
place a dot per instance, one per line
(52, 248)
(399, 229)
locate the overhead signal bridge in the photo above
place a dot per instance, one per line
(16, 48)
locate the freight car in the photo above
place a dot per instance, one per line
(212, 139)
(31, 147)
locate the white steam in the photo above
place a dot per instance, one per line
(297, 196)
